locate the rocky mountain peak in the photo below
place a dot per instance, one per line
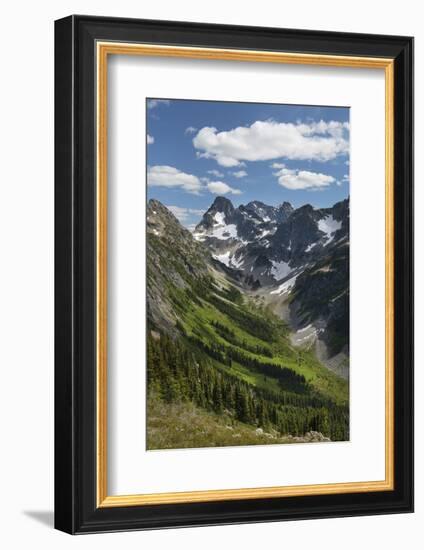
(286, 208)
(220, 213)
(221, 204)
(259, 210)
(161, 221)
(305, 210)
(270, 243)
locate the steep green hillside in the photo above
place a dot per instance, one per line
(251, 342)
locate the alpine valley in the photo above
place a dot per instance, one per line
(248, 325)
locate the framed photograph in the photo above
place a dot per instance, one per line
(233, 274)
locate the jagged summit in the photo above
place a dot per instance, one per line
(269, 243)
(161, 220)
(221, 204)
(246, 223)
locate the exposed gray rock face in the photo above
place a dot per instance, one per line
(174, 259)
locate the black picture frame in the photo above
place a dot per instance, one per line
(76, 510)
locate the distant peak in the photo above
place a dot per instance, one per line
(257, 204)
(221, 204)
(306, 208)
(155, 210)
(154, 203)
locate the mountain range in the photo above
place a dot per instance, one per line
(297, 258)
(258, 297)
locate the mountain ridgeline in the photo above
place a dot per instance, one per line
(247, 339)
(297, 260)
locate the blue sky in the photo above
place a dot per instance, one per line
(198, 150)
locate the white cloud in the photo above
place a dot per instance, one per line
(168, 176)
(152, 103)
(277, 165)
(150, 139)
(345, 179)
(240, 174)
(190, 130)
(182, 214)
(221, 188)
(303, 179)
(226, 162)
(171, 177)
(267, 140)
(216, 173)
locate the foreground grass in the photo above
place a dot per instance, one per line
(183, 425)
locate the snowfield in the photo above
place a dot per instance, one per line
(199, 235)
(285, 287)
(279, 270)
(223, 258)
(237, 263)
(221, 232)
(219, 218)
(224, 232)
(228, 259)
(329, 226)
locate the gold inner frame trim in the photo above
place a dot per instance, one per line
(103, 50)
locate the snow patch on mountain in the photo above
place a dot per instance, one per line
(219, 218)
(237, 263)
(286, 286)
(329, 226)
(279, 270)
(304, 329)
(224, 232)
(199, 235)
(223, 258)
(310, 247)
(228, 258)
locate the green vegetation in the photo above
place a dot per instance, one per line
(184, 425)
(234, 359)
(222, 370)
(251, 336)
